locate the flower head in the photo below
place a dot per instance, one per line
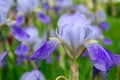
(74, 30)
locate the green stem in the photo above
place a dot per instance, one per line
(75, 71)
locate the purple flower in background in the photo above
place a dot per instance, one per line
(27, 5)
(18, 32)
(3, 55)
(33, 34)
(43, 17)
(22, 49)
(101, 15)
(20, 59)
(4, 8)
(64, 3)
(75, 34)
(97, 32)
(20, 19)
(82, 9)
(46, 6)
(104, 25)
(91, 16)
(107, 41)
(33, 75)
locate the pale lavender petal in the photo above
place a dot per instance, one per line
(33, 33)
(101, 15)
(19, 33)
(33, 75)
(97, 32)
(107, 41)
(3, 55)
(45, 50)
(104, 25)
(43, 17)
(27, 5)
(82, 9)
(20, 19)
(22, 49)
(64, 3)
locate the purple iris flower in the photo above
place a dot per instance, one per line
(64, 3)
(33, 34)
(46, 6)
(22, 49)
(4, 8)
(27, 5)
(33, 75)
(82, 9)
(20, 19)
(18, 32)
(107, 41)
(91, 16)
(3, 55)
(43, 17)
(76, 35)
(101, 15)
(104, 25)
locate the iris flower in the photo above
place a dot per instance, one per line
(75, 35)
(4, 8)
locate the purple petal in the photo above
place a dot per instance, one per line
(3, 63)
(43, 17)
(3, 55)
(20, 59)
(45, 50)
(107, 41)
(104, 25)
(99, 56)
(46, 6)
(20, 19)
(49, 59)
(19, 33)
(22, 49)
(85, 53)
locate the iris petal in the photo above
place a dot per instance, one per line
(99, 56)
(3, 55)
(43, 17)
(20, 19)
(45, 51)
(22, 49)
(19, 33)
